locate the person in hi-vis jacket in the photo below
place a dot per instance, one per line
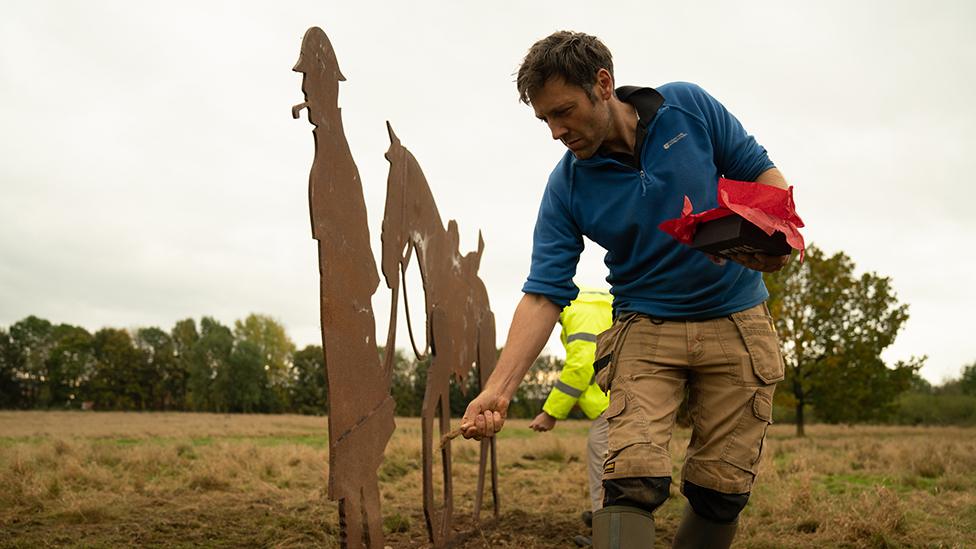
(582, 320)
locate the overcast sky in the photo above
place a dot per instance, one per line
(150, 169)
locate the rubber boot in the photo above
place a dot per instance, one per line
(623, 527)
(587, 518)
(582, 541)
(697, 532)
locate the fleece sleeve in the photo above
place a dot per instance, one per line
(556, 246)
(737, 154)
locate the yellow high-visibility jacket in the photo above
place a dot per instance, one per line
(588, 315)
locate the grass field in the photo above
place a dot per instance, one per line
(188, 480)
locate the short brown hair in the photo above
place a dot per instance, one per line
(573, 56)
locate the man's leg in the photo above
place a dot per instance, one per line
(732, 362)
(646, 389)
(710, 518)
(596, 454)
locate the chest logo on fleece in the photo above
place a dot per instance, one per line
(674, 140)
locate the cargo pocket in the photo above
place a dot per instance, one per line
(624, 429)
(616, 406)
(745, 446)
(607, 345)
(762, 343)
(630, 450)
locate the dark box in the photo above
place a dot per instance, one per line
(734, 235)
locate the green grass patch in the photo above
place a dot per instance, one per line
(7, 442)
(314, 441)
(395, 523)
(916, 482)
(126, 442)
(516, 433)
(837, 484)
(853, 484)
(130, 441)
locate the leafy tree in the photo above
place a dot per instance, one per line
(119, 381)
(420, 369)
(407, 385)
(185, 337)
(833, 327)
(46, 365)
(10, 390)
(70, 365)
(968, 381)
(276, 350)
(31, 343)
(463, 392)
(862, 391)
(208, 356)
(165, 371)
(242, 382)
(920, 385)
(309, 393)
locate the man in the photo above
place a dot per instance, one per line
(634, 153)
(588, 315)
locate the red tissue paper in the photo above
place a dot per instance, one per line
(769, 208)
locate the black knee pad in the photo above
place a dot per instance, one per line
(647, 493)
(712, 505)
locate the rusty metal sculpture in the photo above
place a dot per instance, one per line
(360, 427)
(460, 324)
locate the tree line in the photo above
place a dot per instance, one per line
(250, 367)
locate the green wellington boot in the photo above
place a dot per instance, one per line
(623, 527)
(696, 532)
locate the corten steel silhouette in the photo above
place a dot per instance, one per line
(460, 324)
(361, 408)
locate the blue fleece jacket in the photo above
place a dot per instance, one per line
(691, 142)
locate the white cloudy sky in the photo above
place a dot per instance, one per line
(150, 169)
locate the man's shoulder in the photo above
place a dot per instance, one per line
(681, 93)
(561, 176)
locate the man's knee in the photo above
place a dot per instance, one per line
(647, 493)
(713, 505)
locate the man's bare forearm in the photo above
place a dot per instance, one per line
(535, 316)
(773, 177)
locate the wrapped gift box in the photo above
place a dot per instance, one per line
(732, 234)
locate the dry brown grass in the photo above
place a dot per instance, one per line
(184, 480)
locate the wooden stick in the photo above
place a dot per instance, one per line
(449, 436)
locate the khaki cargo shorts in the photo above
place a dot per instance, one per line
(731, 365)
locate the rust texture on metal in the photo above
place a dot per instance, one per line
(460, 325)
(361, 409)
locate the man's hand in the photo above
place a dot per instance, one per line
(485, 416)
(534, 319)
(716, 259)
(762, 262)
(542, 423)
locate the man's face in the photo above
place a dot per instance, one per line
(581, 124)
